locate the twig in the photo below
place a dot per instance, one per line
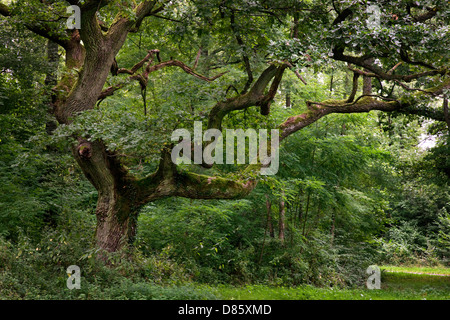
(413, 89)
(291, 67)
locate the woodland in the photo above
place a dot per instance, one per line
(91, 92)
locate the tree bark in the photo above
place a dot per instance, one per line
(367, 81)
(116, 206)
(116, 223)
(367, 85)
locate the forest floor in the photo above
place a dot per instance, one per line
(397, 283)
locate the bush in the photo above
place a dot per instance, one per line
(31, 269)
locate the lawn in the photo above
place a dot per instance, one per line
(423, 270)
(397, 283)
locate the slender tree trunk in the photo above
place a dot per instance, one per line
(269, 217)
(51, 81)
(331, 83)
(333, 223)
(268, 226)
(367, 85)
(53, 59)
(300, 207)
(446, 114)
(281, 225)
(346, 86)
(367, 82)
(288, 100)
(306, 213)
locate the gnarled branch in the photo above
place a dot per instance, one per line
(408, 104)
(143, 77)
(168, 180)
(254, 97)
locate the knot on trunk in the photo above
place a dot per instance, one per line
(84, 150)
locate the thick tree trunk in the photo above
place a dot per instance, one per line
(116, 223)
(117, 205)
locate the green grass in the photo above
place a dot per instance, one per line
(394, 286)
(431, 270)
